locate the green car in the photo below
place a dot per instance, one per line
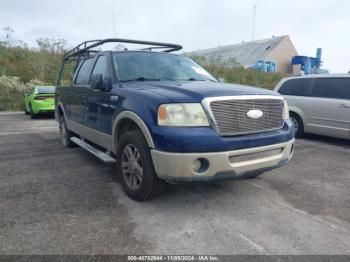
(41, 100)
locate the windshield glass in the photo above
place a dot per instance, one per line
(46, 89)
(143, 66)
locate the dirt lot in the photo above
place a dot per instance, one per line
(55, 200)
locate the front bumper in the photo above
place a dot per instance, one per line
(177, 167)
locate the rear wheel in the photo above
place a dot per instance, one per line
(297, 125)
(65, 134)
(32, 114)
(25, 110)
(135, 166)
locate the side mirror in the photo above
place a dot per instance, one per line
(107, 84)
(221, 80)
(97, 81)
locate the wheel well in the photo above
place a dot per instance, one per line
(126, 125)
(295, 114)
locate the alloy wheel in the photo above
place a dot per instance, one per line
(132, 169)
(295, 124)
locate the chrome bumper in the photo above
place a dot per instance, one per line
(178, 167)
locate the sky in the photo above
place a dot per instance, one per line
(195, 24)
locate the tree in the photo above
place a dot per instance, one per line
(9, 40)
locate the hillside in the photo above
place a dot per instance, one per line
(22, 67)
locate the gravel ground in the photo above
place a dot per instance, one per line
(55, 200)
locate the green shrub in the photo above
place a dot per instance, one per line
(232, 72)
(12, 92)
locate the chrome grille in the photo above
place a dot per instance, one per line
(231, 115)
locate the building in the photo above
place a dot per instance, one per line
(280, 50)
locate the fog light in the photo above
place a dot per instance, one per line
(196, 165)
(200, 165)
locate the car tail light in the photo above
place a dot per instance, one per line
(42, 97)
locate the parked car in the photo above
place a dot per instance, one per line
(163, 118)
(40, 100)
(318, 104)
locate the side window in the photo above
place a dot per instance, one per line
(297, 87)
(332, 88)
(83, 76)
(100, 67)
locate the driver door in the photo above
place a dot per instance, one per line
(99, 106)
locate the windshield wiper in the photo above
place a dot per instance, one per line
(192, 79)
(197, 79)
(141, 78)
(168, 78)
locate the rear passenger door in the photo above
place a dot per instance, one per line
(330, 104)
(79, 91)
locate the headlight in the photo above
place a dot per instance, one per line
(188, 114)
(286, 111)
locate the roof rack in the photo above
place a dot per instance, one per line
(85, 48)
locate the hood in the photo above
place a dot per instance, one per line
(196, 91)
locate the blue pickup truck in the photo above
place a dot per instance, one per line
(163, 118)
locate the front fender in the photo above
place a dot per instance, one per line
(139, 122)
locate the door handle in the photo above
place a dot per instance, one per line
(84, 100)
(114, 98)
(344, 106)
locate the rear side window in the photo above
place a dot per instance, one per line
(46, 89)
(332, 88)
(296, 87)
(83, 76)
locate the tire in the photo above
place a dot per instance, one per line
(135, 167)
(65, 134)
(32, 114)
(25, 111)
(297, 124)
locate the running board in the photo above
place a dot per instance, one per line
(97, 153)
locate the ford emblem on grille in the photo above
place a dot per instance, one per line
(255, 114)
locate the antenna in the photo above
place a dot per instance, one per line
(254, 15)
(114, 28)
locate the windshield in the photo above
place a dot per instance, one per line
(143, 66)
(46, 89)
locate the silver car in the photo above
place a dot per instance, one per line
(318, 104)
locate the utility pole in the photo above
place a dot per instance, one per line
(254, 15)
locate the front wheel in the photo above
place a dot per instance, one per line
(135, 166)
(297, 125)
(65, 134)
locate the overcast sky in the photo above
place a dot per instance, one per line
(196, 24)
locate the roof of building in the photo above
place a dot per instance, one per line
(245, 53)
